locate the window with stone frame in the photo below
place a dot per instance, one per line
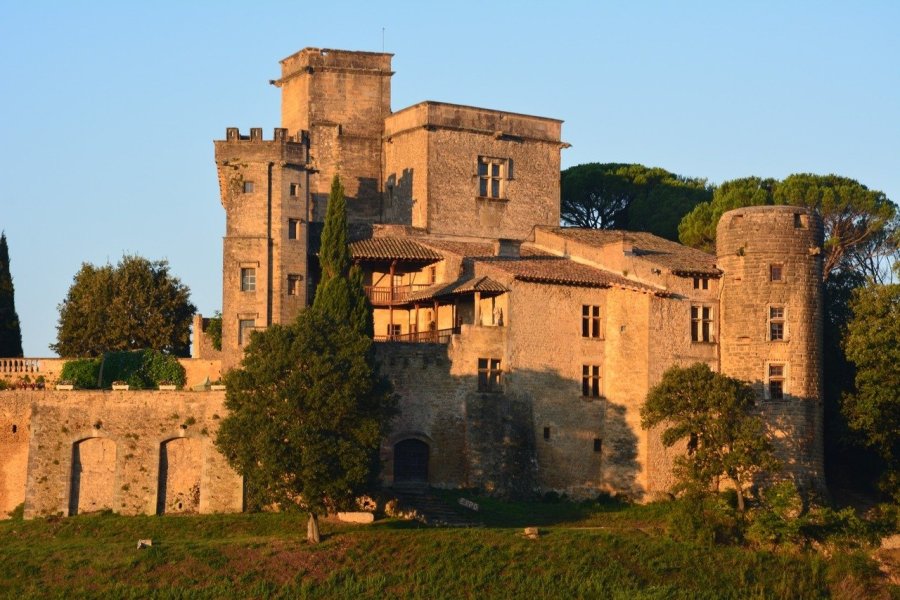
(293, 229)
(590, 381)
(702, 324)
(245, 328)
(775, 378)
(248, 187)
(248, 280)
(776, 272)
(294, 284)
(701, 283)
(590, 321)
(295, 189)
(777, 330)
(493, 173)
(490, 376)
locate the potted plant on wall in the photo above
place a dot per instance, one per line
(65, 385)
(120, 385)
(217, 386)
(167, 385)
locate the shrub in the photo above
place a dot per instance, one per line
(142, 369)
(704, 518)
(82, 372)
(777, 519)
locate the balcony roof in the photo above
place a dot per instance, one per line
(393, 248)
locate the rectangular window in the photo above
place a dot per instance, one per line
(293, 285)
(776, 382)
(701, 283)
(295, 189)
(492, 176)
(776, 323)
(393, 329)
(598, 445)
(489, 375)
(701, 324)
(546, 433)
(590, 381)
(248, 187)
(590, 321)
(248, 280)
(776, 272)
(293, 229)
(245, 328)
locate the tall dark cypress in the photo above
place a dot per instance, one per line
(340, 294)
(10, 331)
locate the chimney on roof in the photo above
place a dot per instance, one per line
(627, 247)
(508, 248)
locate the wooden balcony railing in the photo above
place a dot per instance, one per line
(385, 296)
(438, 336)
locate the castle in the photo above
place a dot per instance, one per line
(521, 351)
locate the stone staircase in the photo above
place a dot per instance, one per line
(432, 510)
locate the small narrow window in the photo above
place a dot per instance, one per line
(701, 324)
(798, 220)
(776, 382)
(590, 381)
(701, 283)
(15, 428)
(245, 327)
(598, 445)
(293, 285)
(393, 330)
(248, 280)
(546, 433)
(489, 375)
(295, 189)
(432, 275)
(776, 323)
(776, 272)
(590, 321)
(248, 187)
(293, 229)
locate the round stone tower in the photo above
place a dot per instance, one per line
(771, 325)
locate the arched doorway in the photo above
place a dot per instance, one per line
(180, 463)
(93, 479)
(410, 460)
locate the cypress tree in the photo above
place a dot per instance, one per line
(10, 331)
(340, 295)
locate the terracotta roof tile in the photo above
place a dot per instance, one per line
(477, 284)
(388, 248)
(665, 253)
(467, 249)
(547, 268)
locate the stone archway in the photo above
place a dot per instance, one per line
(411, 461)
(93, 476)
(180, 464)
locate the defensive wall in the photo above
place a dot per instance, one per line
(131, 452)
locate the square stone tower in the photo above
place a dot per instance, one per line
(341, 98)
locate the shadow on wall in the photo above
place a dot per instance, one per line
(533, 432)
(398, 198)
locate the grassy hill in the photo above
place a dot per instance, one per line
(590, 550)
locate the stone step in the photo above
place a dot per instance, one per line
(433, 510)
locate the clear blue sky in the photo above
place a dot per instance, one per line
(109, 110)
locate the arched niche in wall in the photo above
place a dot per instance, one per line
(93, 478)
(180, 468)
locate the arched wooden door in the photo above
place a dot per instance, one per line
(410, 460)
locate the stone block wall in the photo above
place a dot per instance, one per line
(15, 434)
(129, 452)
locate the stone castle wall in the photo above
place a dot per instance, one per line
(129, 452)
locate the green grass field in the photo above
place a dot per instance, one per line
(585, 551)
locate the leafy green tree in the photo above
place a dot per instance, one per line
(340, 292)
(136, 304)
(860, 224)
(629, 196)
(307, 407)
(711, 414)
(873, 345)
(10, 330)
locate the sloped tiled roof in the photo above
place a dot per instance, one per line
(548, 268)
(665, 253)
(485, 285)
(389, 248)
(466, 249)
